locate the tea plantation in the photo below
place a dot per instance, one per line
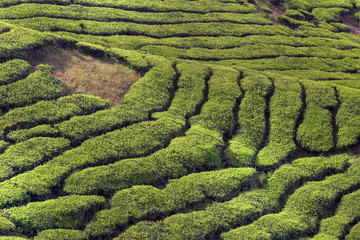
(245, 123)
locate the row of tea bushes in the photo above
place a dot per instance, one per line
(63, 212)
(283, 63)
(38, 131)
(222, 42)
(50, 111)
(249, 52)
(315, 133)
(26, 155)
(285, 108)
(348, 116)
(18, 41)
(203, 6)
(40, 85)
(347, 212)
(142, 201)
(199, 148)
(212, 29)
(14, 70)
(302, 210)
(251, 119)
(78, 12)
(242, 209)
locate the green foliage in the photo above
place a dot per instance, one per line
(240, 210)
(49, 111)
(315, 132)
(199, 149)
(3, 145)
(294, 14)
(348, 116)
(6, 225)
(251, 130)
(216, 114)
(190, 90)
(354, 233)
(38, 131)
(104, 14)
(202, 6)
(302, 209)
(40, 85)
(285, 106)
(329, 14)
(136, 140)
(311, 4)
(157, 31)
(28, 154)
(60, 234)
(16, 42)
(222, 42)
(347, 212)
(141, 201)
(13, 71)
(12, 238)
(63, 212)
(294, 63)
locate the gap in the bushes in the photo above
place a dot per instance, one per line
(81, 73)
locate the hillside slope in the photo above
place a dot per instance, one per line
(245, 123)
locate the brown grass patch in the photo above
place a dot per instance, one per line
(84, 74)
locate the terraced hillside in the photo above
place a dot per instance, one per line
(245, 123)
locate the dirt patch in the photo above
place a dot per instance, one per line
(84, 74)
(350, 21)
(277, 10)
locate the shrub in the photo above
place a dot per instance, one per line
(354, 233)
(28, 154)
(40, 85)
(348, 117)
(48, 112)
(347, 212)
(63, 212)
(13, 71)
(315, 132)
(60, 234)
(302, 209)
(38, 131)
(285, 106)
(251, 130)
(240, 210)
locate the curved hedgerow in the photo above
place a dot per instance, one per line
(240, 210)
(348, 211)
(25, 155)
(285, 107)
(40, 85)
(13, 71)
(354, 232)
(251, 119)
(348, 117)
(139, 202)
(316, 131)
(51, 111)
(63, 212)
(38, 131)
(225, 83)
(60, 234)
(302, 209)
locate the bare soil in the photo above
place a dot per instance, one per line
(84, 74)
(349, 20)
